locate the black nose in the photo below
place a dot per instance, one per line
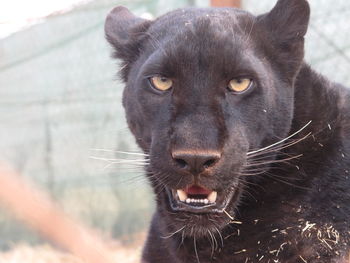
(196, 161)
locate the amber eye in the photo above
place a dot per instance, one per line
(240, 84)
(161, 83)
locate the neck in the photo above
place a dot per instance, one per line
(316, 100)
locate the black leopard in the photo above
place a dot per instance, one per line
(248, 147)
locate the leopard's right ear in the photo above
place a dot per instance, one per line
(288, 20)
(123, 31)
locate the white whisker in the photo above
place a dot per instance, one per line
(129, 162)
(222, 240)
(122, 152)
(281, 141)
(177, 231)
(253, 164)
(137, 167)
(195, 249)
(115, 160)
(211, 240)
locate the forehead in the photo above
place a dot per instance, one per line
(224, 18)
(209, 38)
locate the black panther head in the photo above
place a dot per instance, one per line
(205, 88)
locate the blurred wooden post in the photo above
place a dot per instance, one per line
(225, 3)
(33, 207)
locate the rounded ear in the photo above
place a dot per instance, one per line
(284, 28)
(119, 23)
(288, 20)
(123, 31)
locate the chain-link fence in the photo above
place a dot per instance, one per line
(61, 116)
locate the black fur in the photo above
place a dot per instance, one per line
(290, 204)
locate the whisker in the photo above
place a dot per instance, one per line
(252, 174)
(137, 178)
(284, 177)
(130, 163)
(172, 234)
(211, 240)
(121, 152)
(182, 238)
(222, 240)
(281, 141)
(246, 183)
(253, 170)
(250, 194)
(130, 166)
(216, 242)
(274, 161)
(279, 148)
(116, 160)
(125, 169)
(195, 248)
(160, 182)
(287, 183)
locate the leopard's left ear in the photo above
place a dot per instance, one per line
(124, 31)
(284, 28)
(288, 20)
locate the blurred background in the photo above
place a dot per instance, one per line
(61, 120)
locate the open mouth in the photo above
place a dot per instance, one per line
(198, 199)
(196, 196)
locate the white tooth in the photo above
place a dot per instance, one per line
(188, 200)
(193, 200)
(182, 195)
(212, 196)
(206, 201)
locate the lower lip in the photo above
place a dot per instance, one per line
(210, 208)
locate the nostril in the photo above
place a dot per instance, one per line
(209, 163)
(195, 161)
(180, 162)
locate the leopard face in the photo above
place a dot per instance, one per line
(205, 88)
